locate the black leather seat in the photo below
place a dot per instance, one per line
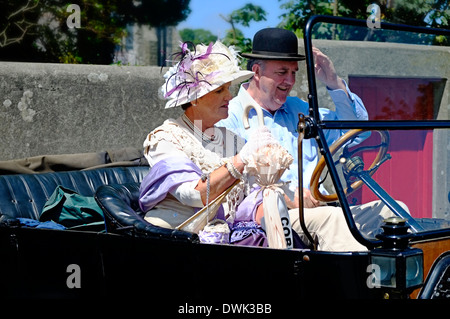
(120, 205)
(116, 190)
(24, 195)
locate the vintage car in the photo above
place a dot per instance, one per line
(400, 157)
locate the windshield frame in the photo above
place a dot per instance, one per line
(321, 125)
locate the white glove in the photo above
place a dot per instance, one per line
(259, 138)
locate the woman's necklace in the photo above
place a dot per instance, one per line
(197, 132)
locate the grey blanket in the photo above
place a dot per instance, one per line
(67, 162)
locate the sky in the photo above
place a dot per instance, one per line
(205, 14)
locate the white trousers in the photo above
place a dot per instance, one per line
(327, 224)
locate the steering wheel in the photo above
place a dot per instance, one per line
(333, 149)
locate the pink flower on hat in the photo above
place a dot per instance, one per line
(200, 72)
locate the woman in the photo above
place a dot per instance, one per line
(192, 161)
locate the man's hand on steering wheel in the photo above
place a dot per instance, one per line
(308, 200)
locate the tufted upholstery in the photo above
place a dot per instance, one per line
(24, 195)
(116, 190)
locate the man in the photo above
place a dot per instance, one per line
(274, 61)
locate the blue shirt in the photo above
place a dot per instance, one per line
(283, 125)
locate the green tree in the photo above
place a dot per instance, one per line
(197, 36)
(243, 16)
(37, 30)
(433, 13)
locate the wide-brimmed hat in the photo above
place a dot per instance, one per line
(201, 71)
(275, 44)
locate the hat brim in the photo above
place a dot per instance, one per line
(235, 78)
(241, 76)
(297, 57)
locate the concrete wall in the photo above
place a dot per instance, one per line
(59, 109)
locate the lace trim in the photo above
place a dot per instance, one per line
(205, 159)
(186, 142)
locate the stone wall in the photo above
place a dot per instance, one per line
(61, 109)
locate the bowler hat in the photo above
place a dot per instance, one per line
(275, 44)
